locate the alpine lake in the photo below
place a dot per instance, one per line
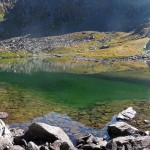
(88, 92)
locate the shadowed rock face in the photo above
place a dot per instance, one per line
(51, 17)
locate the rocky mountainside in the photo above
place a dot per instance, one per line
(51, 17)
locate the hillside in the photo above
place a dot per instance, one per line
(51, 17)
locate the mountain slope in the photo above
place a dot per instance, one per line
(51, 17)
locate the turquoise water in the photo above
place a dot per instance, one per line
(78, 90)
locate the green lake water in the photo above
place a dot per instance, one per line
(58, 83)
(74, 89)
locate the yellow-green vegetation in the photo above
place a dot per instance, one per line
(104, 45)
(9, 54)
(22, 106)
(1, 17)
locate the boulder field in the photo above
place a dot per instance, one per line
(41, 136)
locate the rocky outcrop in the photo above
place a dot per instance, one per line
(127, 114)
(129, 143)
(41, 136)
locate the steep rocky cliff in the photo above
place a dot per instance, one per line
(51, 17)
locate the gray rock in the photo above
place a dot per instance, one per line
(90, 142)
(32, 146)
(41, 133)
(129, 143)
(15, 147)
(3, 115)
(59, 145)
(6, 137)
(127, 114)
(17, 132)
(121, 129)
(147, 47)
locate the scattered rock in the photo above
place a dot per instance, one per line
(32, 146)
(3, 115)
(17, 132)
(147, 121)
(121, 129)
(90, 142)
(129, 143)
(147, 47)
(127, 114)
(104, 46)
(59, 145)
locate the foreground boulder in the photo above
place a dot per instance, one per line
(6, 137)
(41, 133)
(121, 129)
(129, 143)
(147, 47)
(127, 114)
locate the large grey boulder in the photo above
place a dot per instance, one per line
(121, 129)
(6, 137)
(129, 143)
(127, 114)
(40, 133)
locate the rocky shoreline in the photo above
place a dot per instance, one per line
(42, 136)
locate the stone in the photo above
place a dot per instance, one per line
(19, 141)
(6, 137)
(90, 142)
(147, 121)
(17, 132)
(41, 133)
(44, 147)
(59, 145)
(127, 114)
(129, 143)
(121, 129)
(14, 147)
(147, 47)
(32, 146)
(3, 115)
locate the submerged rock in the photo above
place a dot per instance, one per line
(127, 114)
(129, 143)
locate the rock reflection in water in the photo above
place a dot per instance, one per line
(37, 64)
(73, 128)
